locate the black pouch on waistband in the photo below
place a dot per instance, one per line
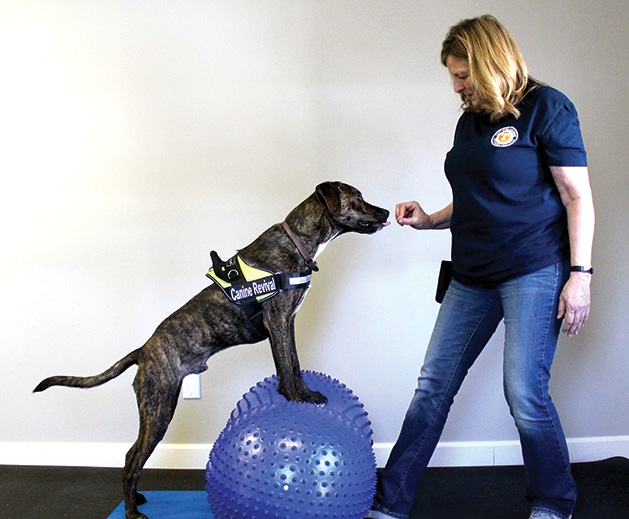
(445, 276)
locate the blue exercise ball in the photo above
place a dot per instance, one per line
(287, 460)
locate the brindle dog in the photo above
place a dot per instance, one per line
(210, 322)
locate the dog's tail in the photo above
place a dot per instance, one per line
(87, 382)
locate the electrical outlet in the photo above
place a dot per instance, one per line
(191, 387)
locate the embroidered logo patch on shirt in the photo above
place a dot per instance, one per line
(505, 137)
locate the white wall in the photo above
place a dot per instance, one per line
(136, 136)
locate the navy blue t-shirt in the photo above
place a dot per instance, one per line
(508, 219)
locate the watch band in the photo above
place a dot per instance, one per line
(579, 268)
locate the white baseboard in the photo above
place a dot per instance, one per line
(195, 456)
(486, 453)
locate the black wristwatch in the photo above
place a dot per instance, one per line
(579, 268)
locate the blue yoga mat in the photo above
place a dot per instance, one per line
(171, 504)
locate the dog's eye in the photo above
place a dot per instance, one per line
(358, 197)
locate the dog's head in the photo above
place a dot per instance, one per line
(348, 210)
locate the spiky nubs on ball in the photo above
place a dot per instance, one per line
(289, 460)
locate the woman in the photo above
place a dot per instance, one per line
(522, 223)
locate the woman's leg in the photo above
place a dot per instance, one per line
(531, 332)
(467, 319)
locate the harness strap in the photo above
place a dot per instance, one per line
(248, 286)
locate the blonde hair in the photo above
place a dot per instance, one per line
(498, 72)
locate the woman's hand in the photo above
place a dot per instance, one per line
(574, 303)
(412, 214)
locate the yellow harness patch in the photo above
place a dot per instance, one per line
(259, 284)
(254, 283)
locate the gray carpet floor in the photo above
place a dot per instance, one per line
(444, 493)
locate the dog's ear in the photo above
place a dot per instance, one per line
(329, 194)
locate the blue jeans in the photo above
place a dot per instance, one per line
(467, 319)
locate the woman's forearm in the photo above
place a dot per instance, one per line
(576, 194)
(441, 219)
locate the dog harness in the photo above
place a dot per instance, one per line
(248, 286)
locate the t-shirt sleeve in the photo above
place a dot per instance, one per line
(561, 142)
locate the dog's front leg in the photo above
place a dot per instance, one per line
(281, 330)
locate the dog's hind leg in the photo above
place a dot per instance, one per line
(156, 406)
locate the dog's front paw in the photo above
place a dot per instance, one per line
(300, 393)
(314, 397)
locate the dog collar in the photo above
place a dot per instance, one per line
(312, 264)
(243, 283)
